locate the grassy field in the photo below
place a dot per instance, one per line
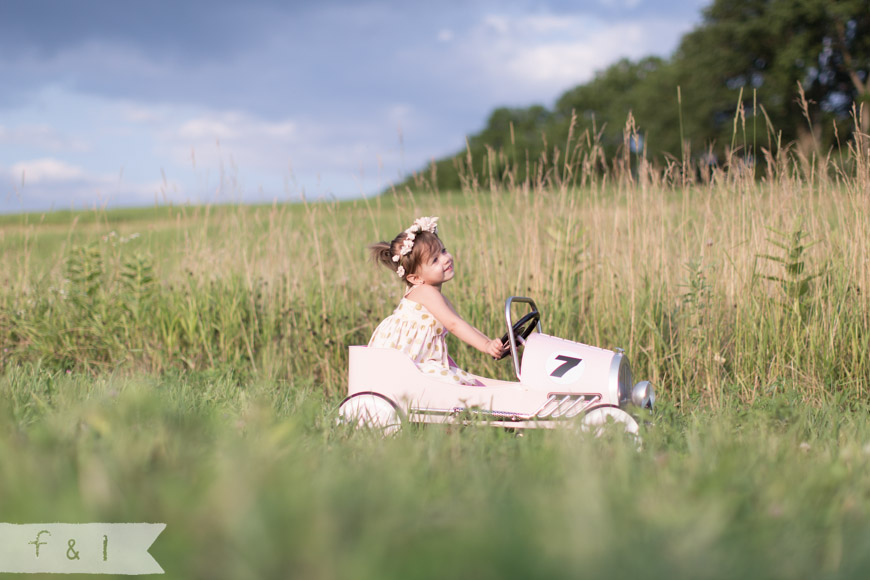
(184, 365)
(254, 480)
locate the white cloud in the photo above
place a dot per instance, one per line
(545, 23)
(620, 3)
(228, 153)
(535, 57)
(138, 113)
(212, 129)
(52, 183)
(235, 125)
(45, 170)
(445, 35)
(249, 140)
(563, 63)
(496, 23)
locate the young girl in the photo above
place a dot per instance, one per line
(419, 326)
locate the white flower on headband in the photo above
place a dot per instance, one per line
(407, 245)
(400, 271)
(427, 224)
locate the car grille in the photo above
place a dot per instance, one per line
(564, 405)
(624, 381)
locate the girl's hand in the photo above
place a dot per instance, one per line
(496, 348)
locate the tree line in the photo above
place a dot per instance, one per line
(755, 75)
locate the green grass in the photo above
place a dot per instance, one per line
(255, 480)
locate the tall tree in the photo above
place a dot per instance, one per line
(846, 53)
(645, 89)
(769, 47)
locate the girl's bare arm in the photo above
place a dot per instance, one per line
(443, 311)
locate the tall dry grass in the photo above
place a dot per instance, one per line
(723, 281)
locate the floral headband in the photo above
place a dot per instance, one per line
(423, 224)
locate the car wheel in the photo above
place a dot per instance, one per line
(596, 421)
(370, 411)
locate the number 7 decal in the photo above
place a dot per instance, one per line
(569, 362)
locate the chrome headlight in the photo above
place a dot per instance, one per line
(643, 395)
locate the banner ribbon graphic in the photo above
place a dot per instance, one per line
(79, 548)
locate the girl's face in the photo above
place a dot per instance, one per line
(435, 269)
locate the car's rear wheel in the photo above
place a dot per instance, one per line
(370, 411)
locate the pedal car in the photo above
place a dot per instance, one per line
(558, 381)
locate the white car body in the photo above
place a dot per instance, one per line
(558, 380)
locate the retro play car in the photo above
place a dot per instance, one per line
(558, 381)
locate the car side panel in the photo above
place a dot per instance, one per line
(393, 374)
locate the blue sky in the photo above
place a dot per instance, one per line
(131, 103)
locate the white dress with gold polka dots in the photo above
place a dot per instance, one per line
(412, 329)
